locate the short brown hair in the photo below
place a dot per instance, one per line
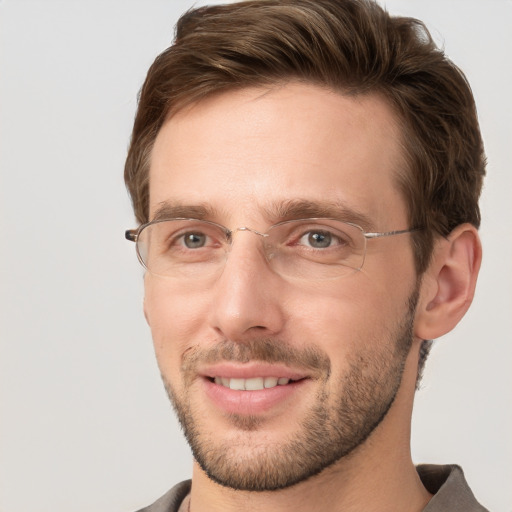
(351, 46)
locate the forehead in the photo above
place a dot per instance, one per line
(240, 151)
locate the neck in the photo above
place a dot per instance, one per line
(379, 476)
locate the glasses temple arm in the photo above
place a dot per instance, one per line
(390, 233)
(131, 235)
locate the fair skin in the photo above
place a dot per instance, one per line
(245, 155)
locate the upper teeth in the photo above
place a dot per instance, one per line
(253, 384)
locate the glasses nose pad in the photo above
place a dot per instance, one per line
(269, 249)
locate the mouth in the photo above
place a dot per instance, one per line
(255, 388)
(253, 383)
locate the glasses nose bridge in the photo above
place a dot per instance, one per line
(247, 229)
(255, 231)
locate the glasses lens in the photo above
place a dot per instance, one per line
(311, 249)
(316, 249)
(181, 248)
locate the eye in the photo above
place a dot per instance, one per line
(321, 239)
(194, 240)
(187, 238)
(317, 239)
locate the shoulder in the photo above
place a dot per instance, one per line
(171, 500)
(450, 489)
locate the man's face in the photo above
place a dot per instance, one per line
(253, 158)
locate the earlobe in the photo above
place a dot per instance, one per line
(449, 283)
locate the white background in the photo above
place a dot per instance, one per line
(84, 421)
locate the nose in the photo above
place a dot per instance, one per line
(249, 297)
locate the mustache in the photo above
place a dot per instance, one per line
(267, 350)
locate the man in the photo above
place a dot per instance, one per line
(306, 177)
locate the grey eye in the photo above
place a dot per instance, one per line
(194, 240)
(317, 239)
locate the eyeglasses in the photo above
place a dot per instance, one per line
(308, 249)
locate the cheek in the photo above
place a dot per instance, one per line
(349, 316)
(333, 319)
(174, 317)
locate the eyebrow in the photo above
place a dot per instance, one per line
(307, 209)
(174, 210)
(277, 211)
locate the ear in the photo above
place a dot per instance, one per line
(448, 285)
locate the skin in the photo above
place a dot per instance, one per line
(240, 153)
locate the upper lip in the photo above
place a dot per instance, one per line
(251, 370)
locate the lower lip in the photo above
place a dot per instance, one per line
(251, 402)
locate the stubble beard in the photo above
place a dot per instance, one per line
(330, 431)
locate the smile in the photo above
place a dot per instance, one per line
(252, 384)
(254, 388)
